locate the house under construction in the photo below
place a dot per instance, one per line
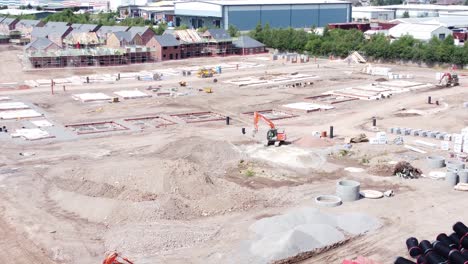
(89, 57)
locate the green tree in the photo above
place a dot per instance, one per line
(182, 27)
(39, 8)
(160, 28)
(406, 14)
(233, 31)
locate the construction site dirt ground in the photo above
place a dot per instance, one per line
(188, 192)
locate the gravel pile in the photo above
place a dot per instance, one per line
(301, 230)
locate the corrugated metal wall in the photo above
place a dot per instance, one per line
(247, 17)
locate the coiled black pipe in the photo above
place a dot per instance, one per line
(462, 232)
(413, 248)
(447, 241)
(401, 260)
(454, 256)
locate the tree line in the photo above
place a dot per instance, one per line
(341, 43)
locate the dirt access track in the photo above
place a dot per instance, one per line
(169, 190)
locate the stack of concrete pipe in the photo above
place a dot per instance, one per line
(456, 173)
(451, 248)
(435, 162)
(348, 190)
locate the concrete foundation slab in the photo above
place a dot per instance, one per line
(13, 106)
(200, 117)
(272, 114)
(308, 107)
(96, 127)
(19, 114)
(149, 121)
(91, 97)
(132, 94)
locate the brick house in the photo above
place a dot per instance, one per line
(41, 44)
(26, 26)
(146, 33)
(54, 33)
(219, 41)
(105, 31)
(7, 24)
(246, 45)
(166, 47)
(122, 39)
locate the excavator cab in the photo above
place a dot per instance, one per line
(275, 137)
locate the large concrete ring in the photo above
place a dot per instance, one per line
(328, 200)
(348, 190)
(435, 162)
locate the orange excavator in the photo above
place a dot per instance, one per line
(449, 79)
(113, 258)
(274, 135)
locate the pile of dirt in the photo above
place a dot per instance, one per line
(213, 155)
(381, 169)
(313, 142)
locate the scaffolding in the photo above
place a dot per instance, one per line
(89, 57)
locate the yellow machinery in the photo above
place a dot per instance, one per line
(208, 90)
(205, 73)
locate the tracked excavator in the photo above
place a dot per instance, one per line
(448, 79)
(114, 258)
(274, 136)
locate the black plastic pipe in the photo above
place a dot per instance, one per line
(425, 246)
(413, 248)
(453, 255)
(462, 232)
(401, 260)
(429, 100)
(227, 120)
(331, 132)
(464, 252)
(455, 238)
(434, 258)
(421, 260)
(446, 241)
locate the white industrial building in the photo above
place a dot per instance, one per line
(448, 22)
(422, 10)
(369, 13)
(419, 31)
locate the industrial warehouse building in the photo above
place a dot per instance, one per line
(245, 15)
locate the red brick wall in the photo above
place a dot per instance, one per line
(147, 36)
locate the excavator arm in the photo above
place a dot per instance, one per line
(257, 117)
(113, 258)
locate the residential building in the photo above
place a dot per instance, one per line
(219, 41)
(7, 24)
(191, 43)
(123, 39)
(419, 31)
(146, 33)
(84, 28)
(41, 44)
(81, 40)
(105, 31)
(54, 32)
(246, 45)
(245, 15)
(25, 27)
(166, 47)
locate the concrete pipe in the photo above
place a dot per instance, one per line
(348, 190)
(451, 178)
(455, 165)
(463, 176)
(328, 200)
(435, 162)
